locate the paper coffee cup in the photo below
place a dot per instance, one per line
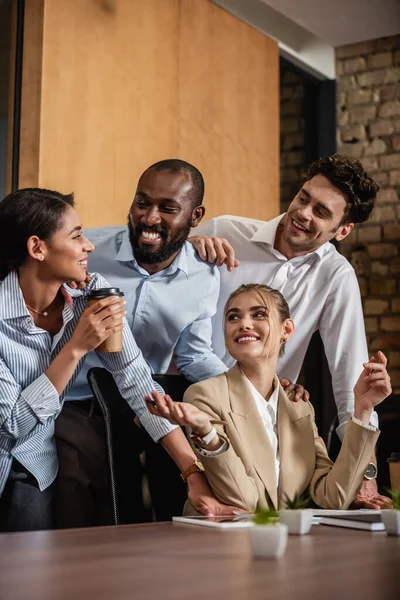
(114, 342)
(394, 468)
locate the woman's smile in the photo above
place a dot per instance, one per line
(247, 339)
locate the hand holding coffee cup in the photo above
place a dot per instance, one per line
(113, 321)
(100, 326)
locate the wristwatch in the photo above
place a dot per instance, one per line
(195, 467)
(371, 471)
(206, 439)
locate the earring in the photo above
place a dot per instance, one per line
(283, 340)
(41, 257)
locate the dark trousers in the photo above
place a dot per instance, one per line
(23, 507)
(82, 492)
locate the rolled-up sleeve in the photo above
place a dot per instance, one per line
(133, 377)
(22, 409)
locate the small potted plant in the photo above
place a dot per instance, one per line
(268, 537)
(296, 516)
(391, 517)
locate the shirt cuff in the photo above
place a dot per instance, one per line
(217, 452)
(156, 427)
(341, 428)
(369, 426)
(42, 397)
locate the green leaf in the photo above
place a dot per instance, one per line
(298, 502)
(395, 496)
(266, 516)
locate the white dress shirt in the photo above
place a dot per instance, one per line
(269, 416)
(322, 291)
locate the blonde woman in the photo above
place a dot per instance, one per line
(257, 445)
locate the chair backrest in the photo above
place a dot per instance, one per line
(333, 444)
(388, 441)
(135, 461)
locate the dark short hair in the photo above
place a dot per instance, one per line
(176, 165)
(347, 174)
(27, 212)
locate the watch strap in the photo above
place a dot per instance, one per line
(205, 440)
(195, 467)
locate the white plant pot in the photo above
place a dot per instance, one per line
(391, 520)
(268, 541)
(298, 521)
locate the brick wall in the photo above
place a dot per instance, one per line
(368, 118)
(291, 135)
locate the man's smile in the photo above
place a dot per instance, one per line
(297, 226)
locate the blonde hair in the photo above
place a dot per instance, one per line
(272, 300)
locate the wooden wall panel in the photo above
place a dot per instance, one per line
(109, 95)
(229, 110)
(11, 92)
(111, 86)
(29, 150)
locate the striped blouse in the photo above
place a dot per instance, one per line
(29, 403)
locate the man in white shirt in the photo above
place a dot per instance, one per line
(291, 253)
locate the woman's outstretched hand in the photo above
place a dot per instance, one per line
(179, 413)
(372, 387)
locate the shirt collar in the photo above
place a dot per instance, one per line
(125, 254)
(12, 303)
(266, 234)
(273, 401)
(267, 231)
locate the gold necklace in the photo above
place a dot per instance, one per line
(44, 313)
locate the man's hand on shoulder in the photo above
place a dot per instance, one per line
(368, 497)
(79, 284)
(215, 250)
(299, 392)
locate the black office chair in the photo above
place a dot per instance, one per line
(133, 457)
(388, 441)
(333, 443)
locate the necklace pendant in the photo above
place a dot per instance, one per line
(45, 314)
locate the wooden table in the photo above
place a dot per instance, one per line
(177, 561)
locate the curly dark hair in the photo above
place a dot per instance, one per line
(347, 174)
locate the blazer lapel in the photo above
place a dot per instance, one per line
(296, 446)
(250, 428)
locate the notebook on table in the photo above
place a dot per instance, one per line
(369, 522)
(234, 522)
(319, 513)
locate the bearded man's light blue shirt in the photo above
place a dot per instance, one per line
(169, 312)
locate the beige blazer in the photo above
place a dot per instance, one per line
(244, 475)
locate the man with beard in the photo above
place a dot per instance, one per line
(292, 254)
(171, 295)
